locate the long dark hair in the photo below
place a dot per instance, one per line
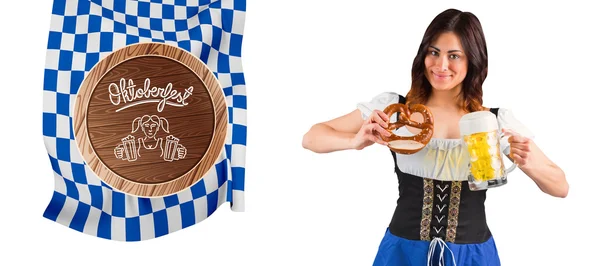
(468, 28)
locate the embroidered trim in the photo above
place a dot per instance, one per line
(453, 211)
(427, 207)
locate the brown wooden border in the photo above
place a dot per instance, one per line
(205, 75)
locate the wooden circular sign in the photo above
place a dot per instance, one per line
(150, 119)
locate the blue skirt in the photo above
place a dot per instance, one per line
(398, 251)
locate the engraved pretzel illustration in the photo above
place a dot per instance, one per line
(404, 120)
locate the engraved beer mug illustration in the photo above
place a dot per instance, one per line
(481, 136)
(127, 150)
(173, 150)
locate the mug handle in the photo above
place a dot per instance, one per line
(504, 138)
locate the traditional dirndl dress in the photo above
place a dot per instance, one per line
(438, 220)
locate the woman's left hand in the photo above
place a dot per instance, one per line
(520, 147)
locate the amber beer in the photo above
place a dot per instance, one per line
(171, 148)
(486, 161)
(481, 137)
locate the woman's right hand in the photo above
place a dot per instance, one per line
(371, 131)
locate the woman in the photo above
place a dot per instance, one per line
(437, 217)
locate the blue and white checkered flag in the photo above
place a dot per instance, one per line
(82, 33)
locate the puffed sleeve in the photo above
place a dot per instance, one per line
(507, 120)
(378, 102)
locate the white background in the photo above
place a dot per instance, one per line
(310, 61)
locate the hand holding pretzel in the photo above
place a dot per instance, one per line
(371, 130)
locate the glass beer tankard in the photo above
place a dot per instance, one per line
(481, 137)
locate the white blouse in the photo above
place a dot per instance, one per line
(441, 159)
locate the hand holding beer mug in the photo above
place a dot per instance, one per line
(181, 151)
(173, 150)
(127, 149)
(480, 133)
(119, 151)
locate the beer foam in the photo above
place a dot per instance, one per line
(476, 122)
(406, 144)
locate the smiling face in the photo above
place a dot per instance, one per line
(446, 62)
(150, 128)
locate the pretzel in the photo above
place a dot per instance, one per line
(412, 144)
